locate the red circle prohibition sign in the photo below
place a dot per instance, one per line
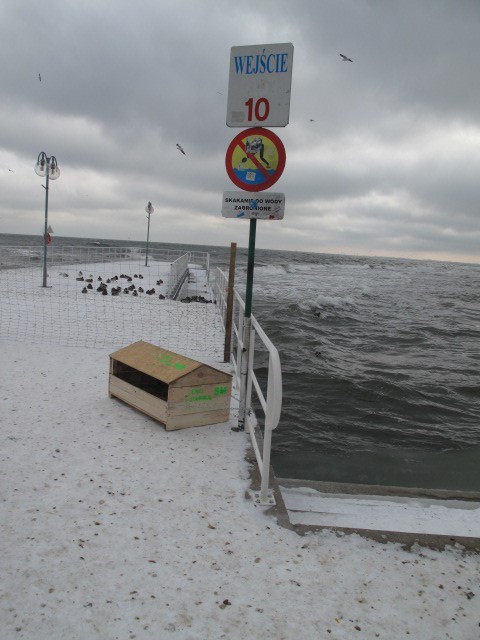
(255, 159)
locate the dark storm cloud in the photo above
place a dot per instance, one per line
(395, 131)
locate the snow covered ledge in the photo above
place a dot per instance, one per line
(434, 518)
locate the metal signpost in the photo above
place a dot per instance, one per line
(259, 92)
(149, 209)
(48, 168)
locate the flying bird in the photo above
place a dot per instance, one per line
(345, 58)
(181, 149)
(12, 170)
(40, 77)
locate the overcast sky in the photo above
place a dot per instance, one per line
(390, 164)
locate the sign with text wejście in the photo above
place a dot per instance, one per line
(259, 85)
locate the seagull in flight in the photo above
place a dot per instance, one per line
(12, 170)
(181, 149)
(40, 77)
(345, 58)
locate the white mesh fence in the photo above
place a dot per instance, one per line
(108, 297)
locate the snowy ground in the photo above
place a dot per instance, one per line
(114, 528)
(63, 314)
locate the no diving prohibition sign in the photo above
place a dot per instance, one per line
(255, 159)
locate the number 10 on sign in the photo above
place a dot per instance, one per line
(259, 108)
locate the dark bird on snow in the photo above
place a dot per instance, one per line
(181, 149)
(345, 58)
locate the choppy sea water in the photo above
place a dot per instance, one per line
(380, 361)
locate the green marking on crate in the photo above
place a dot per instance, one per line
(220, 391)
(198, 395)
(169, 362)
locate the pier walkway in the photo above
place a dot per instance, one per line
(113, 528)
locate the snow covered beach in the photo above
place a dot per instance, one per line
(114, 528)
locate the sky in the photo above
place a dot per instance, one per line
(382, 153)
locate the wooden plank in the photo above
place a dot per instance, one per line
(183, 408)
(145, 402)
(198, 399)
(157, 362)
(197, 419)
(111, 372)
(203, 375)
(185, 394)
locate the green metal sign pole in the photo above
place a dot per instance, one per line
(250, 266)
(247, 328)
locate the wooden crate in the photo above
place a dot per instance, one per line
(177, 391)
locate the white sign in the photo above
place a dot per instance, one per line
(259, 85)
(265, 206)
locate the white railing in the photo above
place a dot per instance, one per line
(27, 256)
(271, 404)
(178, 275)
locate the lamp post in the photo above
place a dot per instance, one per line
(149, 209)
(47, 167)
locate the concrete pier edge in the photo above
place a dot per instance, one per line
(407, 540)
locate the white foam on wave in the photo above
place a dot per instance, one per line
(322, 302)
(271, 270)
(28, 253)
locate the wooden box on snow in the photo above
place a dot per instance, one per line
(175, 390)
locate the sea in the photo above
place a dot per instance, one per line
(380, 362)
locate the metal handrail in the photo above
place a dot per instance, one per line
(178, 274)
(17, 256)
(272, 403)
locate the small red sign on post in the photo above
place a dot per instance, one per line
(255, 159)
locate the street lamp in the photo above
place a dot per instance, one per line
(46, 167)
(149, 209)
